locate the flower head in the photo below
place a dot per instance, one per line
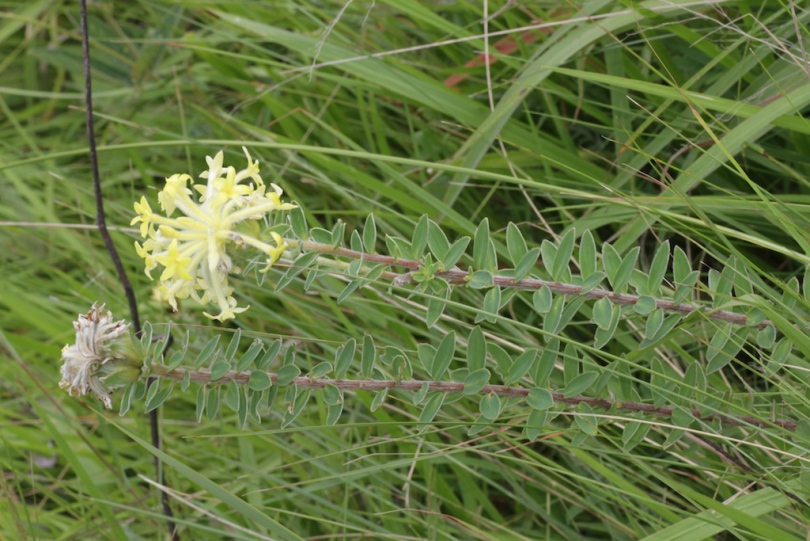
(98, 353)
(191, 247)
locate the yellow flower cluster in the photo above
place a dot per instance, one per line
(191, 248)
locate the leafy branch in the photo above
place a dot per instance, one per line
(461, 277)
(305, 382)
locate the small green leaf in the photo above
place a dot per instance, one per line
(717, 342)
(419, 396)
(540, 399)
(579, 384)
(586, 423)
(343, 358)
(502, 360)
(554, 316)
(766, 336)
(603, 313)
(681, 417)
(455, 252)
(432, 406)
(126, 398)
(587, 255)
(202, 395)
(175, 360)
(332, 395)
(259, 381)
(206, 352)
(475, 381)
(369, 357)
(287, 374)
(571, 363)
(781, 352)
(212, 406)
(477, 426)
(146, 339)
(300, 264)
(483, 256)
(521, 366)
(626, 269)
(250, 355)
(269, 356)
(490, 406)
(731, 346)
(644, 305)
(333, 413)
(476, 350)
(348, 290)
(548, 253)
(426, 354)
(320, 370)
(658, 268)
(378, 400)
(672, 438)
(356, 242)
(480, 279)
(492, 305)
(437, 241)
(435, 308)
(233, 395)
(545, 366)
(681, 268)
(654, 322)
(337, 234)
(541, 300)
(294, 410)
(526, 264)
(420, 237)
(591, 282)
(633, 434)
(219, 369)
(230, 353)
(370, 234)
(298, 221)
(156, 399)
(565, 250)
(444, 356)
(515, 244)
(535, 423)
(320, 235)
(612, 262)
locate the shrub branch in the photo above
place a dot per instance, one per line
(461, 277)
(203, 376)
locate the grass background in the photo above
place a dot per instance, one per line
(637, 121)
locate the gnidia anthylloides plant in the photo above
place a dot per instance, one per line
(535, 383)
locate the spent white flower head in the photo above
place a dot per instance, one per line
(191, 247)
(98, 353)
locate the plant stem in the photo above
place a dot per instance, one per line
(460, 277)
(243, 378)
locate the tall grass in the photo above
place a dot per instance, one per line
(642, 122)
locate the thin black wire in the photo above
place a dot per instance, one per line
(101, 223)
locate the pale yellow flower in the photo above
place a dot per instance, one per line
(192, 248)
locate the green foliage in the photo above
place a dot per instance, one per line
(693, 190)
